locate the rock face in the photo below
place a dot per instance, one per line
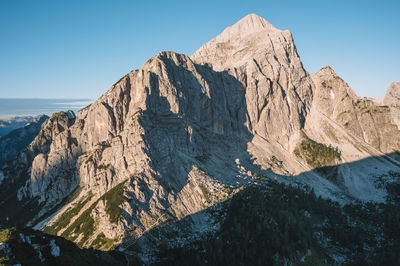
(184, 133)
(13, 142)
(264, 59)
(362, 131)
(392, 99)
(362, 118)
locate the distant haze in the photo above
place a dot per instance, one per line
(32, 107)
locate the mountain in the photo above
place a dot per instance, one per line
(392, 99)
(278, 91)
(9, 124)
(362, 118)
(150, 164)
(29, 247)
(16, 140)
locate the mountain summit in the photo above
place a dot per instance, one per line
(250, 24)
(265, 61)
(182, 134)
(243, 39)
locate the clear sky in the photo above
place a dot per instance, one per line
(78, 49)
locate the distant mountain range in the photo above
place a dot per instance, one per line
(9, 124)
(15, 141)
(235, 155)
(19, 107)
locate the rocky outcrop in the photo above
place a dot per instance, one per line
(264, 59)
(392, 99)
(182, 133)
(361, 117)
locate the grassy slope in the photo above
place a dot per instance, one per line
(25, 254)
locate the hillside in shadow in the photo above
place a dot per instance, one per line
(270, 223)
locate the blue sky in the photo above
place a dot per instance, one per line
(78, 49)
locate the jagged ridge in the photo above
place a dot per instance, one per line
(184, 133)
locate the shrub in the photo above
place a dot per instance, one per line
(205, 192)
(84, 225)
(317, 154)
(6, 234)
(103, 243)
(103, 166)
(90, 159)
(56, 116)
(113, 199)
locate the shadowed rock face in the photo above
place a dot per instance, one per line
(16, 140)
(264, 59)
(184, 133)
(9, 124)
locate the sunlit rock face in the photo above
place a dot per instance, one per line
(183, 133)
(278, 90)
(392, 99)
(361, 117)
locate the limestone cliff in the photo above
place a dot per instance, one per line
(392, 99)
(278, 90)
(182, 133)
(361, 117)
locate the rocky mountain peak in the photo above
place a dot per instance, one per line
(251, 37)
(329, 81)
(327, 70)
(392, 99)
(392, 93)
(182, 134)
(264, 59)
(247, 25)
(361, 117)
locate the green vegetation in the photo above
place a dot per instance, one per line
(90, 159)
(274, 224)
(205, 192)
(316, 154)
(313, 260)
(66, 217)
(113, 199)
(262, 226)
(325, 85)
(103, 243)
(202, 158)
(103, 166)
(85, 225)
(56, 116)
(6, 234)
(21, 250)
(24, 253)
